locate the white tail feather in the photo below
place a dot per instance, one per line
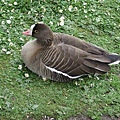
(114, 63)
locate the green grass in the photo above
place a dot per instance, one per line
(95, 21)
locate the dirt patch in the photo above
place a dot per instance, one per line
(77, 117)
(107, 117)
(82, 117)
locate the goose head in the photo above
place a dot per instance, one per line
(42, 33)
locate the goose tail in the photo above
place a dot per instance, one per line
(115, 59)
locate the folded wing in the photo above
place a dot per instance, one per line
(73, 62)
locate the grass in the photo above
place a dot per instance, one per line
(22, 96)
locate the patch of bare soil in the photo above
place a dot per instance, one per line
(82, 117)
(77, 117)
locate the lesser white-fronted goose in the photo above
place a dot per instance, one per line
(61, 57)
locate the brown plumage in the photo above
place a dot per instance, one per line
(61, 57)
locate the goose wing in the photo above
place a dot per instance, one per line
(76, 42)
(73, 62)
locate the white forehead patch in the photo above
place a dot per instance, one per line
(31, 28)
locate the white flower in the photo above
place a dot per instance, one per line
(37, 14)
(8, 21)
(93, 10)
(41, 22)
(15, 3)
(11, 44)
(62, 18)
(29, 12)
(12, 10)
(70, 8)
(11, 17)
(98, 19)
(100, 0)
(44, 10)
(60, 10)
(76, 8)
(81, 79)
(89, 76)
(62, 22)
(10, 4)
(26, 75)
(21, 39)
(92, 85)
(76, 83)
(84, 3)
(51, 22)
(97, 77)
(44, 79)
(20, 67)
(8, 52)
(85, 11)
(8, 31)
(4, 50)
(9, 39)
(2, 22)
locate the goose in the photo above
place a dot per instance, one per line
(61, 57)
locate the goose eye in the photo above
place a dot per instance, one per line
(36, 31)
